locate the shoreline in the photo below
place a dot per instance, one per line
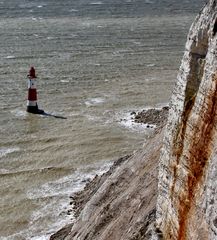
(79, 199)
(149, 119)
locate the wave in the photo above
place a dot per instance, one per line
(63, 186)
(10, 57)
(126, 120)
(73, 10)
(94, 101)
(6, 151)
(55, 196)
(64, 81)
(51, 201)
(96, 3)
(6, 173)
(19, 113)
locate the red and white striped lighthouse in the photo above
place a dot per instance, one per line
(32, 105)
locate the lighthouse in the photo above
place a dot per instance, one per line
(32, 106)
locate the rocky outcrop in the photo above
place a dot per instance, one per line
(169, 189)
(187, 199)
(152, 116)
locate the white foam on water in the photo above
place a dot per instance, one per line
(58, 206)
(28, 4)
(126, 120)
(39, 6)
(96, 3)
(73, 114)
(97, 168)
(73, 10)
(40, 238)
(57, 188)
(59, 218)
(64, 81)
(68, 184)
(93, 118)
(151, 65)
(161, 105)
(5, 151)
(4, 171)
(94, 101)
(19, 113)
(10, 57)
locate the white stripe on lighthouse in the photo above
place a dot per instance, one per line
(31, 103)
(32, 84)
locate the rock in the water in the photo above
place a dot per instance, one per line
(153, 116)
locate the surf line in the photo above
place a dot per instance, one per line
(32, 105)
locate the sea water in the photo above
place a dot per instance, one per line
(96, 62)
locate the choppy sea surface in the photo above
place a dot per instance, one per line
(96, 62)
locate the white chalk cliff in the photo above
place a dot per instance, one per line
(187, 189)
(168, 190)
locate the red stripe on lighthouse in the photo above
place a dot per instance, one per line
(32, 94)
(32, 73)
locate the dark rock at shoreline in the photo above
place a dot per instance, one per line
(62, 233)
(152, 116)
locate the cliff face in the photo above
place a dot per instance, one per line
(178, 200)
(187, 198)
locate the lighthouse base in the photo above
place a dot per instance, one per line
(34, 109)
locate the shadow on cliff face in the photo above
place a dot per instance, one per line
(196, 166)
(199, 151)
(196, 57)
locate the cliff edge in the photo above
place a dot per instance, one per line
(167, 190)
